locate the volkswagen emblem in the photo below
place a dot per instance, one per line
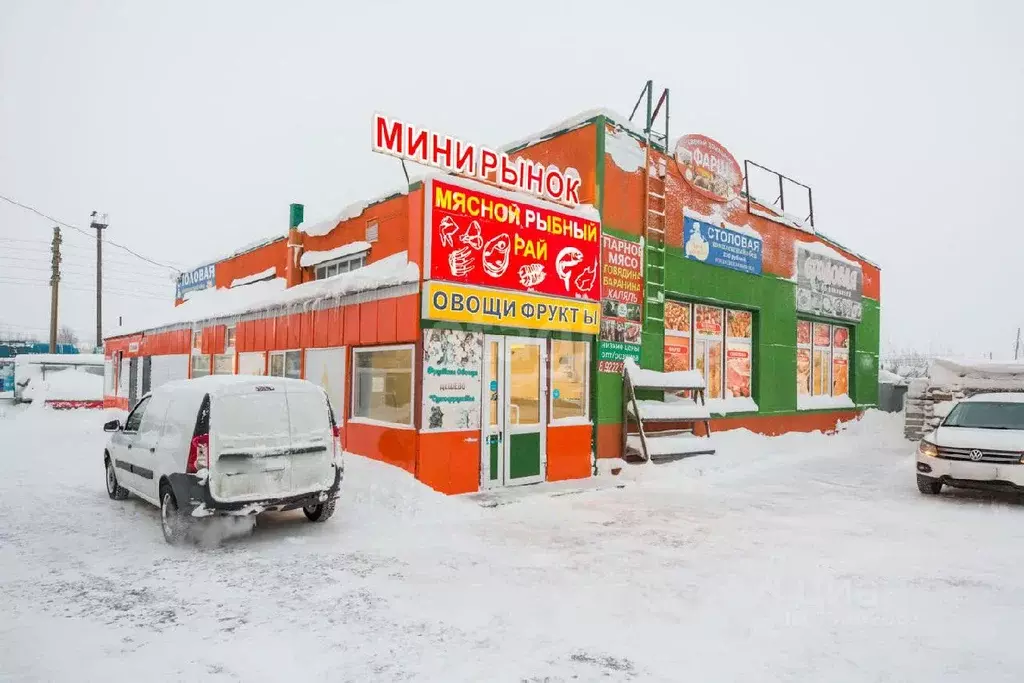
(975, 455)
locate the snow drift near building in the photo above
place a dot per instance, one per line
(64, 385)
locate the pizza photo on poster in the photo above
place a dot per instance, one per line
(708, 167)
(491, 238)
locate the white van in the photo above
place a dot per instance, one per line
(226, 444)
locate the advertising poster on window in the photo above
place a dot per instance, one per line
(828, 286)
(478, 235)
(622, 286)
(822, 335)
(677, 353)
(722, 247)
(840, 374)
(677, 319)
(708, 320)
(803, 372)
(452, 362)
(737, 370)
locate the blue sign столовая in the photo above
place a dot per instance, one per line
(721, 246)
(202, 277)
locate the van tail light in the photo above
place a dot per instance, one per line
(336, 431)
(198, 454)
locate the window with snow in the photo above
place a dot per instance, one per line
(383, 384)
(716, 341)
(822, 359)
(339, 266)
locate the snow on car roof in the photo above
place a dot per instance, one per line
(996, 397)
(229, 384)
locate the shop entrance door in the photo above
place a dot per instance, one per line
(515, 411)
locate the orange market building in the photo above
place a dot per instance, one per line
(472, 331)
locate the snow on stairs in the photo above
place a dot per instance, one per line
(663, 445)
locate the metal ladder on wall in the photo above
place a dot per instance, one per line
(654, 204)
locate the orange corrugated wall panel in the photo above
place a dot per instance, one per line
(259, 335)
(336, 326)
(387, 321)
(281, 332)
(408, 316)
(295, 331)
(306, 330)
(321, 319)
(368, 322)
(207, 341)
(218, 338)
(351, 324)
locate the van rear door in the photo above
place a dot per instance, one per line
(265, 444)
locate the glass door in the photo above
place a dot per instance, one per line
(515, 411)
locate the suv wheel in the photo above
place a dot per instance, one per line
(174, 524)
(114, 490)
(321, 512)
(928, 485)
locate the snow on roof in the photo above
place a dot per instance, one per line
(571, 123)
(60, 358)
(980, 369)
(625, 150)
(652, 379)
(210, 304)
(255, 277)
(353, 210)
(822, 249)
(721, 222)
(996, 397)
(241, 250)
(312, 258)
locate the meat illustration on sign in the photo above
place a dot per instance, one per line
(567, 259)
(585, 280)
(460, 261)
(448, 228)
(472, 236)
(532, 274)
(495, 255)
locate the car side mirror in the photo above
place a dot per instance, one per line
(112, 426)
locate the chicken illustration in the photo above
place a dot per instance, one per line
(532, 274)
(448, 228)
(568, 258)
(495, 255)
(460, 261)
(472, 236)
(585, 280)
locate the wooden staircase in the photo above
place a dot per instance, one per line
(666, 445)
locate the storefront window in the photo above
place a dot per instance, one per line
(524, 377)
(197, 341)
(224, 364)
(229, 339)
(717, 342)
(200, 365)
(822, 359)
(383, 384)
(570, 368)
(286, 364)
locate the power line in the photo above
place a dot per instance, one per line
(76, 228)
(127, 292)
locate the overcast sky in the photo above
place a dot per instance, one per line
(195, 124)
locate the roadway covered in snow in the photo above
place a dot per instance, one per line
(800, 558)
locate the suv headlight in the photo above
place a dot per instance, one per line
(927, 449)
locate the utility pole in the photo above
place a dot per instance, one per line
(99, 224)
(54, 287)
(1016, 345)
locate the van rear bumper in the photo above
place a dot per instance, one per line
(193, 497)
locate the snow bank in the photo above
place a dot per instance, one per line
(735, 404)
(676, 444)
(886, 377)
(64, 385)
(652, 379)
(218, 303)
(981, 374)
(823, 402)
(312, 258)
(255, 277)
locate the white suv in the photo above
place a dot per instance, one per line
(980, 444)
(227, 445)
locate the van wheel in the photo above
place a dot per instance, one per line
(174, 524)
(321, 512)
(929, 485)
(114, 490)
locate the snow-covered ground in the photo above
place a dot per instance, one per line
(800, 558)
